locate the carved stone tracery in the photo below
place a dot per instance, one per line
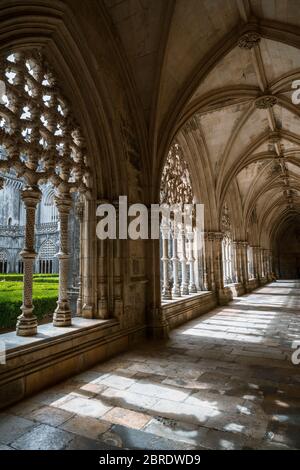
(40, 137)
(41, 141)
(176, 186)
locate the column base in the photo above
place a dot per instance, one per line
(79, 308)
(193, 289)
(26, 326)
(224, 296)
(103, 309)
(87, 311)
(176, 292)
(238, 289)
(159, 328)
(62, 315)
(184, 290)
(166, 294)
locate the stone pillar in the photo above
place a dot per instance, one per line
(270, 263)
(234, 262)
(216, 238)
(223, 294)
(157, 324)
(62, 314)
(89, 288)
(240, 261)
(103, 311)
(118, 305)
(79, 213)
(165, 232)
(207, 279)
(191, 260)
(175, 261)
(255, 270)
(256, 262)
(237, 253)
(264, 251)
(245, 264)
(184, 285)
(27, 322)
(260, 266)
(199, 261)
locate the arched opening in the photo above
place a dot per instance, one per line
(3, 262)
(43, 155)
(46, 258)
(287, 249)
(227, 248)
(181, 246)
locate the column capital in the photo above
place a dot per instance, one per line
(31, 196)
(63, 202)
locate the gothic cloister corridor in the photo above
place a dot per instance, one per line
(222, 381)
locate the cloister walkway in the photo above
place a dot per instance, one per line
(223, 381)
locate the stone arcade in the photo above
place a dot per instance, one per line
(179, 342)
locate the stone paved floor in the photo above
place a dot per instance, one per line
(223, 381)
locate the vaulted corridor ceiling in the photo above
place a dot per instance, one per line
(226, 68)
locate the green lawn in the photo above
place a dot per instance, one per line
(45, 291)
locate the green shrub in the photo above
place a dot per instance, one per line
(39, 277)
(11, 277)
(44, 300)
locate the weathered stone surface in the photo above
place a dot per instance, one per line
(43, 437)
(177, 394)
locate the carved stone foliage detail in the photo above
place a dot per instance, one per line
(249, 40)
(176, 186)
(40, 138)
(265, 101)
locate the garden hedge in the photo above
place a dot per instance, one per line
(45, 292)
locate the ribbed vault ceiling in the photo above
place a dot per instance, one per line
(189, 67)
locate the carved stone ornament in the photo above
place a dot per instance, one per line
(249, 40)
(41, 140)
(265, 101)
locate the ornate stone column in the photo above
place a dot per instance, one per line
(175, 261)
(184, 285)
(62, 314)
(27, 322)
(165, 232)
(191, 260)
